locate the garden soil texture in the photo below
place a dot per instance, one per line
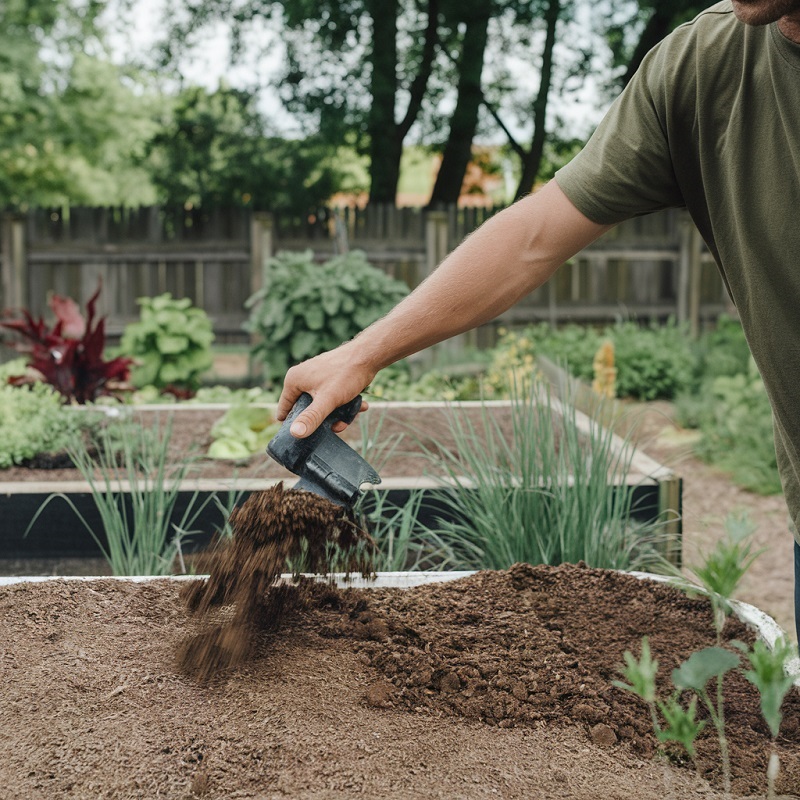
(495, 685)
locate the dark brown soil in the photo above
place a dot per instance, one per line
(497, 685)
(274, 530)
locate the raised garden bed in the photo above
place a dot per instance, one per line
(495, 685)
(56, 534)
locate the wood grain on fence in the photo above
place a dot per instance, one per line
(650, 267)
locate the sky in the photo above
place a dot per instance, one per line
(136, 35)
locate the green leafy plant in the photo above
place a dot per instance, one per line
(710, 663)
(171, 344)
(35, 422)
(306, 308)
(396, 382)
(242, 431)
(768, 674)
(69, 355)
(719, 573)
(722, 351)
(737, 432)
(652, 362)
(681, 725)
(722, 568)
(548, 493)
(142, 531)
(218, 394)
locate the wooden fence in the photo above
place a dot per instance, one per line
(648, 268)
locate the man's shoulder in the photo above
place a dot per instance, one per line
(714, 21)
(711, 41)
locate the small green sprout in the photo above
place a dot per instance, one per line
(682, 726)
(641, 674)
(724, 567)
(768, 674)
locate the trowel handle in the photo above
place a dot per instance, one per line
(345, 413)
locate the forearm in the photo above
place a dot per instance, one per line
(509, 256)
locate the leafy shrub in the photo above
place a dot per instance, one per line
(722, 351)
(171, 344)
(34, 421)
(69, 355)
(652, 363)
(737, 434)
(307, 308)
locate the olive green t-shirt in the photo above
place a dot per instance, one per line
(711, 121)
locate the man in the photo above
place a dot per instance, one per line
(711, 121)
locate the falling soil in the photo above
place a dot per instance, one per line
(495, 685)
(272, 530)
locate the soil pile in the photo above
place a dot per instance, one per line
(274, 531)
(498, 685)
(542, 645)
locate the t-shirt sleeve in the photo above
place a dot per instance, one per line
(625, 169)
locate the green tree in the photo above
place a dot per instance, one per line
(69, 127)
(214, 150)
(349, 67)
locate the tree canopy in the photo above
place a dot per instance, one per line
(364, 77)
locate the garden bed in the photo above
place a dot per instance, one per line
(495, 685)
(400, 432)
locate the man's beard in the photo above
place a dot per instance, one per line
(763, 12)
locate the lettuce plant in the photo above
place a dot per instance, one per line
(34, 421)
(242, 432)
(69, 354)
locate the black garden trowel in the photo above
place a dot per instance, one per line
(326, 464)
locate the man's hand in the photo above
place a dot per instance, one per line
(332, 379)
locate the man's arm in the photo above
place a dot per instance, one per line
(509, 256)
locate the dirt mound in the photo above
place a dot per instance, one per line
(275, 531)
(514, 649)
(366, 692)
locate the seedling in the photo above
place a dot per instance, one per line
(681, 725)
(720, 574)
(695, 673)
(768, 675)
(724, 567)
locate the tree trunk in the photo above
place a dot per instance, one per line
(458, 150)
(381, 125)
(386, 135)
(532, 159)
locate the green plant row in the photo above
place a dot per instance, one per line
(34, 421)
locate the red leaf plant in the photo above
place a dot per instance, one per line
(69, 355)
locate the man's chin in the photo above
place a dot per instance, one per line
(763, 12)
